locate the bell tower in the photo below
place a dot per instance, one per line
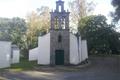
(59, 17)
(59, 35)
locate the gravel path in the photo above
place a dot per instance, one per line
(101, 68)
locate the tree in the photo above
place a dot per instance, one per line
(101, 37)
(11, 29)
(17, 30)
(25, 34)
(79, 9)
(44, 14)
(37, 25)
(116, 15)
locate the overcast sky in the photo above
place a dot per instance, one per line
(20, 8)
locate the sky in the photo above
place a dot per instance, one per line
(20, 8)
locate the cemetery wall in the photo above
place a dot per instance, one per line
(33, 54)
(84, 50)
(5, 54)
(44, 50)
(74, 55)
(15, 55)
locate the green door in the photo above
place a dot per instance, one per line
(59, 57)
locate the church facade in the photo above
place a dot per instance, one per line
(59, 46)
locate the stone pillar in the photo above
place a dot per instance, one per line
(67, 22)
(52, 21)
(57, 7)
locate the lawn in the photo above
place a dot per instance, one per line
(23, 65)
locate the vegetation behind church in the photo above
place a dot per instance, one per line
(102, 37)
(25, 33)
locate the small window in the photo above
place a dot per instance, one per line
(59, 38)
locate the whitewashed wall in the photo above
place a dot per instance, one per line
(5, 54)
(74, 55)
(84, 50)
(80, 50)
(16, 56)
(33, 54)
(44, 50)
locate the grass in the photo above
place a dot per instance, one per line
(23, 65)
(31, 65)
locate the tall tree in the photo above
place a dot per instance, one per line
(17, 30)
(116, 15)
(101, 37)
(13, 30)
(37, 25)
(44, 14)
(11, 27)
(79, 9)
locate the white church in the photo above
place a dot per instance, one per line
(59, 46)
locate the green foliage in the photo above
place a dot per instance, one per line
(101, 37)
(25, 33)
(23, 65)
(78, 10)
(11, 27)
(37, 25)
(12, 30)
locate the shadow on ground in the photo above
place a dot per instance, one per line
(101, 68)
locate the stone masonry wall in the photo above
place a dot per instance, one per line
(63, 45)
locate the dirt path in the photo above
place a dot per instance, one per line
(101, 68)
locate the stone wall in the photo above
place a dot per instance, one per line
(5, 54)
(74, 53)
(56, 45)
(84, 55)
